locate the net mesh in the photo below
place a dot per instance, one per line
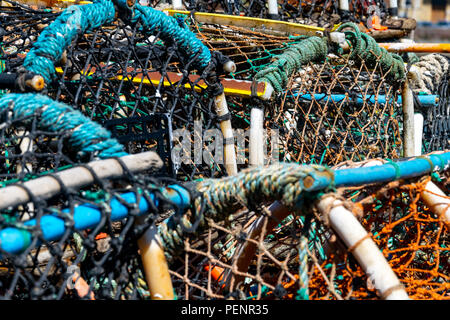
(101, 262)
(318, 13)
(413, 239)
(145, 92)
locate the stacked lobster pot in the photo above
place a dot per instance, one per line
(153, 153)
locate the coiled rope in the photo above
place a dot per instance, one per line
(364, 49)
(79, 19)
(55, 38)
(85, 135)
(312, 49)
(432, 69)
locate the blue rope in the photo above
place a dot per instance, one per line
(77, 19)
(154, 21)
(55, 38)
(86, 135)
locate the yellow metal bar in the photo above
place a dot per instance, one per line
(250, 22)
(232, 87)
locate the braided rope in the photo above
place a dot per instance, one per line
(303, 292)
(284, 182)
(154, 21)
(55, 38)
(432, 68)
(365, 49)
(288, 183)
(77, 19)
(85, 135)
(312, 49)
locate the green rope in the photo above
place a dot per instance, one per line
(364, 49)
(312, 49)
(293, 185)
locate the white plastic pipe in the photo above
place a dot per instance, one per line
(392, 3)
(435, 198)
(437, 201)
(418, 133)
(177, 4)
(343, 5)
(273, 7)
(364, 250)
(408, 120)
(256, 139)
(392, 6)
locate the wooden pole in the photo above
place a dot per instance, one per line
(155, 265)
(77, 177)
(227, 131)
(416, 47)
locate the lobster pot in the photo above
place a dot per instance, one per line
(312, 12)
(137, 87)
(101, 261)
(295, 255)
(328, 113)
(143, 90)
(331, 113)
(437, 119)
(338, 111)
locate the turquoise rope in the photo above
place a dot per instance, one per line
(85, 135)
(55, 38)
(303, 292)
(79, 19)
(153, 21)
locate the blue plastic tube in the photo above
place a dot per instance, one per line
(15, 240)
(425, 100)
(391, 171)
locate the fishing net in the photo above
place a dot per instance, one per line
(330, 116)
(327, 113)
(49, 239)
(134, 85)
(150, 95)
(433, 80)
(81, 261)
(317, 13)
(263, 252)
